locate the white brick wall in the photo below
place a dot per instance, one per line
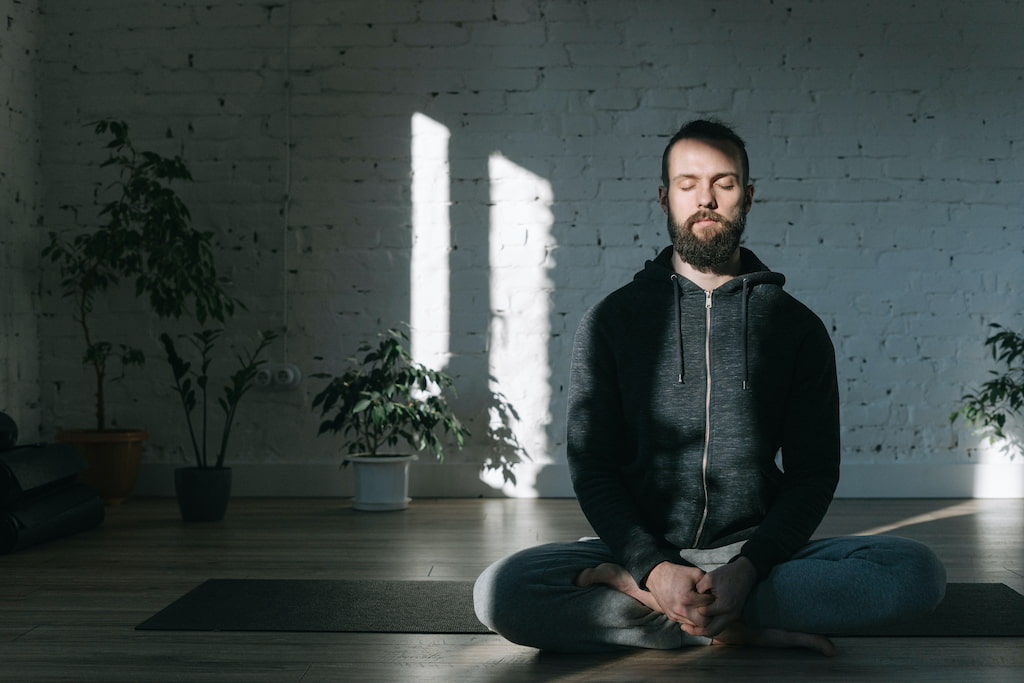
(19, 211)
(883, 137)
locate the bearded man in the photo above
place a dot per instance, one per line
(686, 384)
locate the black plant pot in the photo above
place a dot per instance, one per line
(203, 492)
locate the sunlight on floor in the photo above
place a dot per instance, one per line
(958, 510)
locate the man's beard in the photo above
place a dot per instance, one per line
(705, 253)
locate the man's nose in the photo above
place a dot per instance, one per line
(706, 199)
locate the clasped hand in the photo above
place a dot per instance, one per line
(702, 603)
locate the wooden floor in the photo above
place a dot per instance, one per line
(68, 608)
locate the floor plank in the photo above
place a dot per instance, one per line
(68, 608)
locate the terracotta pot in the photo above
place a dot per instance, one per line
(113, 457)
(203, 492)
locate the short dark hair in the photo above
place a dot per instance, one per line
(703, 129)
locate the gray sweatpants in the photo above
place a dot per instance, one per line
(831, 586)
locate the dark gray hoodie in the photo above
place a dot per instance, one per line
(679, 402)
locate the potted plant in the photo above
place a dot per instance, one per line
(203, 490)
(383, 400)
(1002, 397)
(147, 239)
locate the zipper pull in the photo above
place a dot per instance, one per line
(707, 298)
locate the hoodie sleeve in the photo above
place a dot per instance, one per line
(810, 457)
(595, 444)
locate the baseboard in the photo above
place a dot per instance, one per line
(983, 480)
(429, 480)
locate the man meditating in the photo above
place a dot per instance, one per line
(686, 383)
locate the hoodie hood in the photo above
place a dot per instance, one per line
(751, 268)
(752, 273)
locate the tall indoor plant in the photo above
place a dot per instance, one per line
(379, 402)
(146, 238)
(203, 490)
(1001, 398)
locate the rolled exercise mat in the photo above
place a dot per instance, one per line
(8, 432)
(27, 471)
(58, 513)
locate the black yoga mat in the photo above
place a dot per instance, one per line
(322, 605)
(970, 609)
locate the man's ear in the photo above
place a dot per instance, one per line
(749, 198)
(663, 198)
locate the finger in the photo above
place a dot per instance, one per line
(691, 629)
(700, 599)
(715, 626)
(691, 609)
(690, 618)
(696, 630)
(697, 618)
(709, 629)
(718, 608)
(681, 613)
(687, 607)
(683, 621)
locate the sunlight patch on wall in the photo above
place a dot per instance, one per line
(521, 242)
(999, 472)
(431, 243)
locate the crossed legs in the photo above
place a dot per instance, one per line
(737, 633)
(571, 597)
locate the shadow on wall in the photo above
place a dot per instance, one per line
(505, 452)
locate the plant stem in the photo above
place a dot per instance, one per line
(188, 420)
(225, 433)
(97, 361)
(206, 420)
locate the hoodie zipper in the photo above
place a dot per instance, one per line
(707, 416)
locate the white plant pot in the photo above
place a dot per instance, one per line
(381, 482)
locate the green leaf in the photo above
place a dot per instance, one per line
(383, 391)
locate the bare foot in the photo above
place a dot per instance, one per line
(617, 577)
(739, 634)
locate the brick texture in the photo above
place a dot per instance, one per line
(19, 216)
(884, 141)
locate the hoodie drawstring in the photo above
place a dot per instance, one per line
(743, 322)
(677, 288)
(679, 326)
